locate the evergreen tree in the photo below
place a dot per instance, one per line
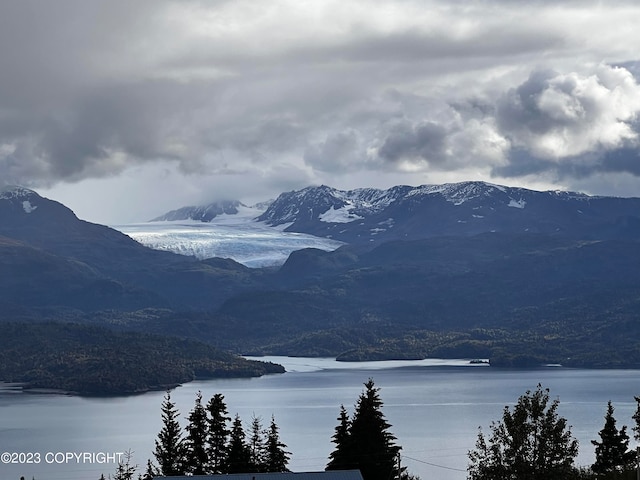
(151, 472)
(218, 434)
(256, 445)
(239, 455)
(636, 418)
(125, 470)
(169, 450)
(612, 452)
(276, 458)
(196, 458)
(531, 443)
(341, 457)
(370, 445)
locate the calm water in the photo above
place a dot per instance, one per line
(435, 409)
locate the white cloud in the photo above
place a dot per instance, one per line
(558, 115)
(284, 93)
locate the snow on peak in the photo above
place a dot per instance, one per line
(20, 195)
(459, 193)
(208, 213)
(331, 205)
(16, 191)
(350, 205)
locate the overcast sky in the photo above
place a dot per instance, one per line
(123, 110)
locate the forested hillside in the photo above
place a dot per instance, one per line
(93, 360)
(514, 295)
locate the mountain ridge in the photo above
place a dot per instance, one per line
(207, 213)
(123, 271)
(465, 208)
(204, 213)
(434, 285)
(404, 212)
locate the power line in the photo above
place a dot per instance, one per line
(434, 464)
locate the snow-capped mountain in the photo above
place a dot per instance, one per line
(50, 256)
(329, 205)
(16, 197)
(206, 213)
(466, 208)
(369, 215)
(25, 211)
(227, 229)
(53, 227)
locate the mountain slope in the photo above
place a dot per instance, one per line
(123, 264)
(34, 278)
(467, 208)
(554, 276)
(92, 360)
(504, 296)
(211, 211)
(53, 227)
(204, 213)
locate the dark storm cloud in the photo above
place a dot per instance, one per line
(57, 59)
(519, 109)
(83, 137)
(426, 141)
(300, 92)
(626, 160)
(619, 161)
(335, 154)
(522, 164)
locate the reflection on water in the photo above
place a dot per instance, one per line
(301, 364)
(435, 408)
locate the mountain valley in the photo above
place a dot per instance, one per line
(468, 270)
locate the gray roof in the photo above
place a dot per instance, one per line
(328, 475)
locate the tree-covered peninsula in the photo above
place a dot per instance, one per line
(91, 360)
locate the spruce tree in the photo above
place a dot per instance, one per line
(341, 457)
(169, 450)
(217, 448)
(369, 445)
(276, 458)
(636, 418)
(196, 458)
(125, 470)
(612, 452)
(151, 472)
(256, 445)
(531, 443)
(239, 455)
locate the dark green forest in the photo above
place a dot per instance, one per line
(565, 292)
(93, 360)
(518, 300)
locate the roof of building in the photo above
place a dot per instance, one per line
(328, 475)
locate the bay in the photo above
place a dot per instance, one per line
(435, 408)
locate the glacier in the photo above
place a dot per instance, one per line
(241, 238)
